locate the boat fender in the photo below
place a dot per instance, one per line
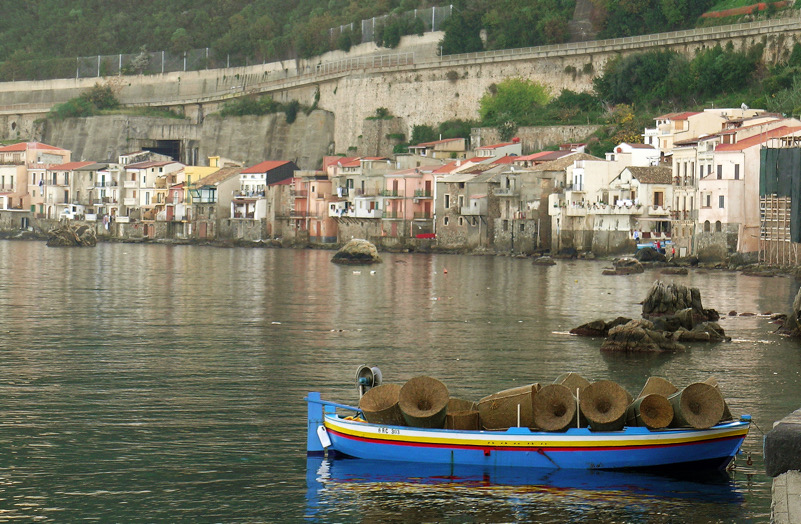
(322, 434)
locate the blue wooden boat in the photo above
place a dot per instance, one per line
(576, 448)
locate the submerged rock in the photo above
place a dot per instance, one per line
(544, 261)
(66, 235)
(357, 252)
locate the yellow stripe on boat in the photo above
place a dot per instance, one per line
(503, 439)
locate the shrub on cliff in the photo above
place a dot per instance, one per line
(92, 102)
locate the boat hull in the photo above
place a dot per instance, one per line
(577, 448)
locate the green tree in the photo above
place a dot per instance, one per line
(462, 33)
(514, 99)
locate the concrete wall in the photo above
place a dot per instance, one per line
(248, 139)
(241, 229)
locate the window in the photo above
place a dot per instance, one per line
(447, 203)
(709, 169)
(737, 171)
(461, 221)
(720, 171)
(461, 201)
(445, 221)
(475, 221)
(506, 225)
(522, 227)
(709, 201)
(700, 171)
(721, 199)
(718, 226)
(706, 226)
(659, 198)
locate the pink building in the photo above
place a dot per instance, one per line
(408, 203)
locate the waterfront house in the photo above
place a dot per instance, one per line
(467, 208)
(13, 186)
(72, 184)
(211, 198)
(139, 189)
(693, 160)
(309, 216)
(249, 201)
(29, 187)
(407, 203)
(523, 194)
(729, 213)
(646, 190)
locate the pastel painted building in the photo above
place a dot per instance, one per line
(729, 195)
(408, 202)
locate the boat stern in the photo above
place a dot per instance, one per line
(316, 437)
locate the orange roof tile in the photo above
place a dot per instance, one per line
(265, 166)
(435, 142)
(677, 116)
(758, 139)
(24, 146)
(69, 166)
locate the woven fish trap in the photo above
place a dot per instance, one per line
(380, 405)
(554, 408)
(603, 404)
(504, 409)
(699, 406)
(424, 402)
(651, 411)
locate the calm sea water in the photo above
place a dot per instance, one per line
(165, 383)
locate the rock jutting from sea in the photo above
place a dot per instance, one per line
(671, 314)
(357, 252)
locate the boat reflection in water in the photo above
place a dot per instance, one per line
(379, 491)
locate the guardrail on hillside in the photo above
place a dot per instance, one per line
(703, 33)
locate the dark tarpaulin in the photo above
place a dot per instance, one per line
(768, 165)
(780, 174)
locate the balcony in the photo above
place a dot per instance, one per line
(129, 202)
(658, 211)
(392, 215)
(391, 193)
(130, 184)
(576, 211)
(248, 194)
(422, 193)
(299, 193)
(506, 192)
(422, 215)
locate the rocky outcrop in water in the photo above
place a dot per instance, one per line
(671, 313)
(357, 252)
(790, 324)
(598, 328)
(624, 266)
(639, 336)
(668, 299)
(66, 235)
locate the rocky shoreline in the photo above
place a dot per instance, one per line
(745, 263)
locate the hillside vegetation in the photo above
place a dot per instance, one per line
(41, 38)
